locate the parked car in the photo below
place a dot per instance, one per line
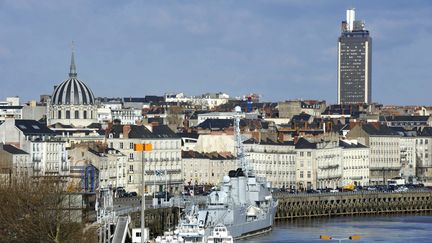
(293, 191)
(334, 190)
(401, 189)
(311, 191)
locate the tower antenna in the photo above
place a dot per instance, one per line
(244, 164)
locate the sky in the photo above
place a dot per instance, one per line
(279, 49)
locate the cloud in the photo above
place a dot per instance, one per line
(280, 49)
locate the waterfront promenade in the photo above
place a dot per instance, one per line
(302, 205)
(352, 203)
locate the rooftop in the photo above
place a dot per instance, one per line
(32, 127)
(12, 149)
(378, 130)
(303, 143)
(161, 131)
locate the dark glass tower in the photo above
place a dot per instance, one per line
(354, 62)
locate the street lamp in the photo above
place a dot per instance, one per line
(328, 237)
(144, 147)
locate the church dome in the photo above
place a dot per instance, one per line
(72, 91)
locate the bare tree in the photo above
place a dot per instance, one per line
(38, 211)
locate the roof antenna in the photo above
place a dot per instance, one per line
(72, 72)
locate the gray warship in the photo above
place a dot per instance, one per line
(243, 203)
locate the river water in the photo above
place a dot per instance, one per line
(385, 228)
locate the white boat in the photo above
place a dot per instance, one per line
(169, 237)
(220, 234)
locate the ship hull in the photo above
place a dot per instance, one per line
(242, 229)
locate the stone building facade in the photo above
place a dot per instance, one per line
(164, 159)
(273, 160)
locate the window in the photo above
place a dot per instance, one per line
(67, 114)
(131, 145)
(111, 145)
(426, 141)
(121, 145)
(301, 174)
(59, 114)
(309, 174)
(131, 156)
(309, 154)
(301, 153)
(85, 114)
(76, 114)
(131, 168)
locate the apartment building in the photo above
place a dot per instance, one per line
(355, 163)
(384, 144)
(164, 158)
(48, 155)
(273, 160)
(206, 168)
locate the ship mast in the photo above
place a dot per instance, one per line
(243, 163)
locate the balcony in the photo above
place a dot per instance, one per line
(329, 177)
(328, 167)
(64, 167)
(36, 167)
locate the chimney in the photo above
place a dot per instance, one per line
(126, 130)
(108, 129)
(296, 138)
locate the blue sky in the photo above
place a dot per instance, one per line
(279, 49)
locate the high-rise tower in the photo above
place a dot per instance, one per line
(354, 62)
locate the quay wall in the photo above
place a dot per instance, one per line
(351, 203)
(158, 220)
